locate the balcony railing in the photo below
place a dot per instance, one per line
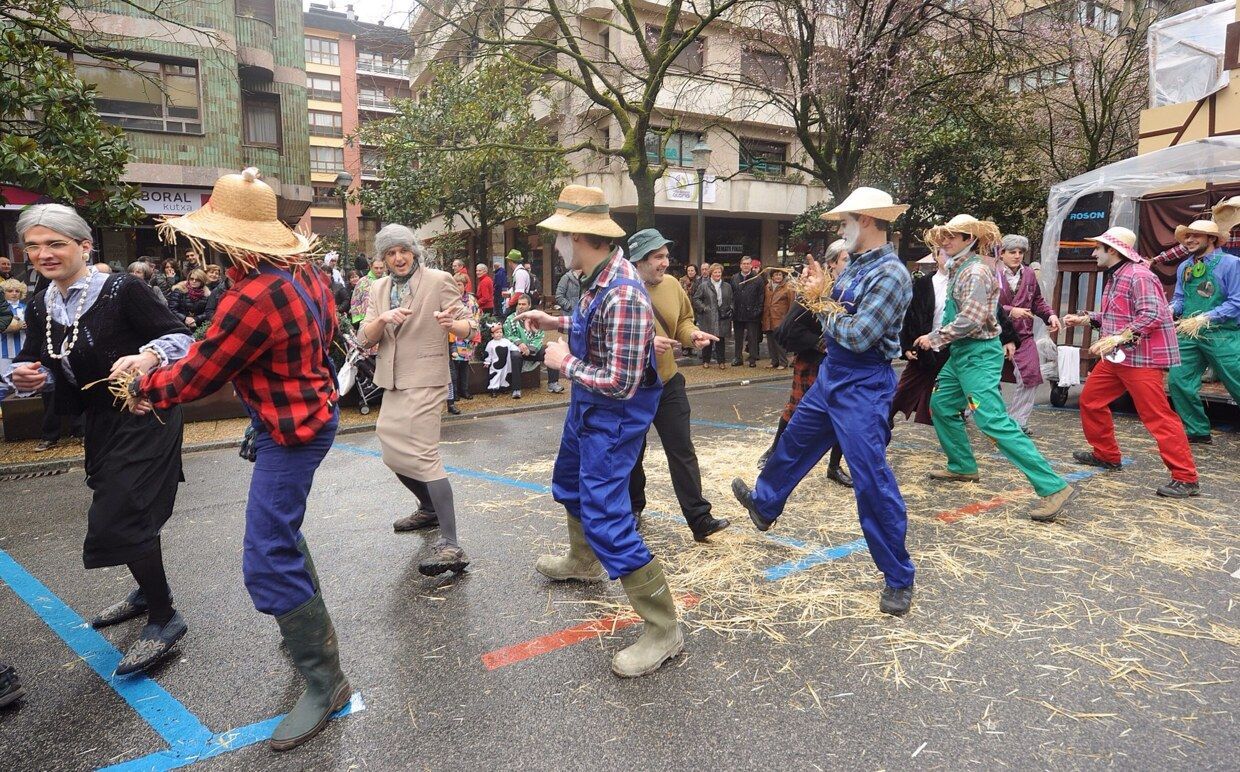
(375, 102)
(399, 69)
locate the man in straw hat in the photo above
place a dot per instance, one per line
(970, 378)
(850, 401)
(1207, 286)
(673, 326)
(84, 328)
(610, 358)
(1226, 215)
(1134, 306)
(269, 338)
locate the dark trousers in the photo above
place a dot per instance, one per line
(718, 349)
(518, 359)
(460, 378)
(779, 357)
(50, 430)
(671, 421)
(748, 335)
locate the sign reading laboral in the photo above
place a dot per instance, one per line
(683, 186)
(172, 200)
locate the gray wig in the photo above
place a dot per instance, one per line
(1014, 241)
(57, 217)
(394, 235)
(833, 251)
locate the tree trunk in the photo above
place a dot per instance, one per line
(644, 182)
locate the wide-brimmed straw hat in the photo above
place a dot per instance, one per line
(583, 210)
(985, 232)
(1200, 227)
(1227, 214)
(1121, 240)
(870, 201)
(240, 220)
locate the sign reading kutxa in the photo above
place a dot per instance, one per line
(172, 200)
(683, 186)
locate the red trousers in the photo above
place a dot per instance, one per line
(1108, 382)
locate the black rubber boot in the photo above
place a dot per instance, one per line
(305, 552)
(311, 641)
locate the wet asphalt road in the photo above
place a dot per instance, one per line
(1071, 651)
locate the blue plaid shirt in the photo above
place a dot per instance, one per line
(881, 300)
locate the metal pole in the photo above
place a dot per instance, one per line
(344, 225)
(701, 218)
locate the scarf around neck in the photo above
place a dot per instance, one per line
(400, 286)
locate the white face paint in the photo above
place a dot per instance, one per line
(564, 245)
(852, 232)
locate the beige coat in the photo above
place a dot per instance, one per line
(415, 354)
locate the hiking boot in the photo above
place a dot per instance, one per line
(712, 526)
(423, 518)
(310, 638)
(946, 475)
(1193, 439)
(661, 637)
(745, 496)
(447, 557)
(134, 605)
(1088, 458)
(895, 601)
(11, 689)
(579, 564)
(453, 409)
(1179, 490)
(1049, 508)
(153, 644)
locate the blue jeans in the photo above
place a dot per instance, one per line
(274, 568)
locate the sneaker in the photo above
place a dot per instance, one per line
(152, 645)
(555, 388)
(1193, 439)
(1179, 490)
(11, 689)
(418, 520)
(447, 557)
(45, 445)
(945, 475)
(1049, 508)
(895, 601)
(742, 493)
(1088, 458)
(516, 394)
(134, 605)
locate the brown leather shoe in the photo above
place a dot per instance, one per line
(417, 521)
(945, 475)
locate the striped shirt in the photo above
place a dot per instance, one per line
(11, 342)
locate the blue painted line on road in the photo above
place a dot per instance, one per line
(456, 470)
(188, 739)
(815, 558)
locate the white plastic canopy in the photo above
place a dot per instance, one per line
(1186, 54)
(1215, 160)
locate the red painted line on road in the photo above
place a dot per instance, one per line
(976, 508)
(544, 644)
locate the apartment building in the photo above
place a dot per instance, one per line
(354, 70)
(232, 94)
(750, 197)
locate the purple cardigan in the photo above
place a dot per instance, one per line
(1028, 295)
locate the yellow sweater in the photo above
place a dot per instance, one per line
(672, 305)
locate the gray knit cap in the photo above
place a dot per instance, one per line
(1015, 241)
(57, 217)
(394, 235)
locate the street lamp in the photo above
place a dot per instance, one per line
(343, 181)
(701, 160)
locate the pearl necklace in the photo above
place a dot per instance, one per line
(66, 346)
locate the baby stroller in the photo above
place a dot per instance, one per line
(358, 370)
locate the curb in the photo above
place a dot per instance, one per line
(39, 468)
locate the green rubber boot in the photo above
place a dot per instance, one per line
(311, 642)
(305, 552)
(580, 563)
(661, 637)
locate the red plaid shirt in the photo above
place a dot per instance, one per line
(265, 340)
(1179, 251)
(1133, 299)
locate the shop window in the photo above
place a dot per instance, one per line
(322, 51)
(325, 87)
(325, 124)
(260, 117)
(326, 159)
(758, 157)
(144, 95)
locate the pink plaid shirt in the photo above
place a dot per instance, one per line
(1133, 299)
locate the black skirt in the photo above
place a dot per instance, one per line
(133, 465)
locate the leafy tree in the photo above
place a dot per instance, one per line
(468, 148)
(625, 60)
(51, 138)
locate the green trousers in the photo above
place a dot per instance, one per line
(1221, 350)
(970, 379)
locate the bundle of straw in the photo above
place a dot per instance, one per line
(1108, 344)
(820, 302)
(121, 389)
(1192, 326)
